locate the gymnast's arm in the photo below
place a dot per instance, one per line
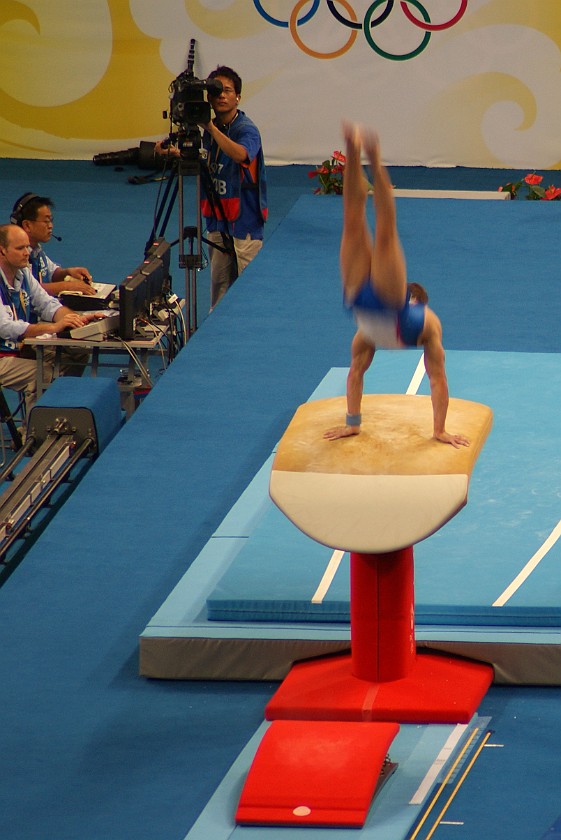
(436, 371)
(362, 354)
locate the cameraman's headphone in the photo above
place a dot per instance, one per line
(16, 217)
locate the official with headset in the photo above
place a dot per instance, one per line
(34, 214)
(27, 311)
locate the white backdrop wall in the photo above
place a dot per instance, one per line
(445, 82)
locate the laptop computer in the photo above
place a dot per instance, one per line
(84, 303)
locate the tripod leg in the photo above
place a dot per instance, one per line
(171, 183)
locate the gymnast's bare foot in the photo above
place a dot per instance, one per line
(355, 184)
(352, 136)
(371, 145)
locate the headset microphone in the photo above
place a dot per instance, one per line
(16, 216)
(58, 238)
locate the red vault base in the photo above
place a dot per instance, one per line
(438, 689)
(316, 773)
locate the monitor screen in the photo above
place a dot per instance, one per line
(133, 302)
(156, 279)
(148, 282)
(160, 248)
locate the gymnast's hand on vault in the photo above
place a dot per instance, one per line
(341, 432)
(454, 440)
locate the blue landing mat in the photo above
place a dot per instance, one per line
(463, 573)
(426, 755)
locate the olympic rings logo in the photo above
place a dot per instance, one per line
(374, 17)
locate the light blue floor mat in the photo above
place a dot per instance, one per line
(463, 573)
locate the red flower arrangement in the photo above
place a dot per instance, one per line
(535, 192)
(330, 175)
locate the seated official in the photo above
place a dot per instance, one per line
(27, 311)
(34, 214)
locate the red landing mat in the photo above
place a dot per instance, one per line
(439, 689)
(316, 773)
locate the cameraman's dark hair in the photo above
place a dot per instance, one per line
(228, 73)
(418, 292)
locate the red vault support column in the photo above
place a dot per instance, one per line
(382, 615)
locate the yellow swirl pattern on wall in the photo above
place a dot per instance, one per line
(119, 105)
(543, 15)
(91, 76)
(477, 94)
(229, 23)
(482, 91)
(14, 10)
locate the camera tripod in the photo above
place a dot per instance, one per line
(190, 164)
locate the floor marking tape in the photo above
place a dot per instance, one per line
(328, 575)
(439, 762)
(458, 785)
(529, 567)
(417, 377)
(441, 787)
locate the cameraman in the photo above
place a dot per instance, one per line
(235, 214)
(237, 169)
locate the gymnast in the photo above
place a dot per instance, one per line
(389, 312)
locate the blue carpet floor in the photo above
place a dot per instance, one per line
(88, 749)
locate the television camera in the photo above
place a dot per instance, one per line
(189, 108)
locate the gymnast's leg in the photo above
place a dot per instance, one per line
(388, 271)
(356, 239)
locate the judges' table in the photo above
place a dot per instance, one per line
(137, 351)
